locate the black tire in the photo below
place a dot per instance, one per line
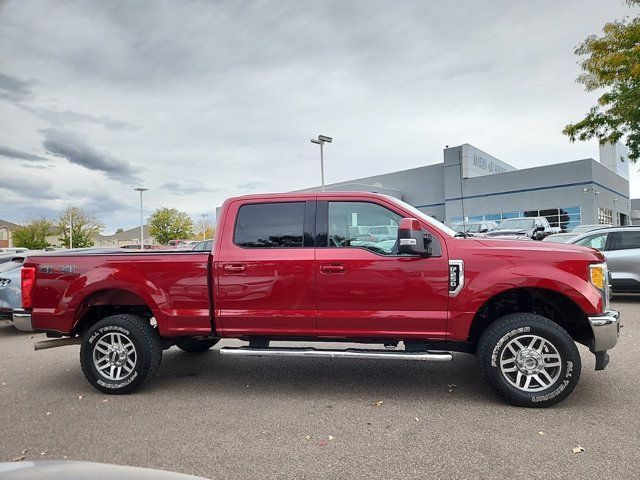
(143, 361)
(558, 381)
(193, 345)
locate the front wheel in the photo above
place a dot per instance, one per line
(529, 360)
(119, 353)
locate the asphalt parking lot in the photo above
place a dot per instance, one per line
(223, 417)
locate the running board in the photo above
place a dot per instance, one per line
(347, 353)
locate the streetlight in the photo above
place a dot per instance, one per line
(70, 228)
(140, 189)
(204, 225)
(321, 141)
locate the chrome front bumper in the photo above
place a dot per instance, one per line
(22, 321)
(606, 330)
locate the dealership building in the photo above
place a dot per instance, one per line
(475, 185)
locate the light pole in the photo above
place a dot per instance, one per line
(321, 141)
(204, 225)
(70, 229)
(140, 189)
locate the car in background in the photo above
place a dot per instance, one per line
(381, 233)
(580, 229)
(535, 228)
(621, 246)
(475, 228)
(566, 237)
(13, 249)
(203, 246)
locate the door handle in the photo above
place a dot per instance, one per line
(332, 268)
(235, 268)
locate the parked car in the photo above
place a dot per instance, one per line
(284, 267)
(580, 229)
(535, 228)
(564, 237)
(475, 228)
(13, 250)
(72, 470)
(203, 246)
(621, 246)
(10, 299)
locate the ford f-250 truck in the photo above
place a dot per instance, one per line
(302, 267)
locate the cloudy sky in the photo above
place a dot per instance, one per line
(201, 100)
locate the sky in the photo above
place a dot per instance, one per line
(201, 100)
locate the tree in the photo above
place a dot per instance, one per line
(119, 230)
(204, 229)
(612, 63)
(33, 235)
(84, 227)
(170, 224)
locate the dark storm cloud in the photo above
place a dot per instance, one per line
(14, 89)
(76, 150)
(20, 93)
(19, 154)
(24, 187)
(57, 117)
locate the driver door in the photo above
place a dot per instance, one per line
(365, 288)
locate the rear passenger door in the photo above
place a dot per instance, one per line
(623, 258)
(265, 270)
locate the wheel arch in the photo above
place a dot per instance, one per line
(555, 306)
(103, 303)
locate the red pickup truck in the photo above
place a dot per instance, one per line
(304, 267)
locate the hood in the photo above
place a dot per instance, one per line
(537, 246)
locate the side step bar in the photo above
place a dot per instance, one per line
(347, 353)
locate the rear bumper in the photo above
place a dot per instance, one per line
(22, 321)
(606, 330)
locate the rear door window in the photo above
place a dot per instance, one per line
(625, 240)
(270, 225)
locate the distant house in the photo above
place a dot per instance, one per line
(124, 238)
(6, 233)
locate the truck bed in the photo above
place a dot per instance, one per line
(174, 285)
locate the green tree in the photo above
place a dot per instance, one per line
(83, 227)
(33, 235)
(612, 62)
(170, 224)
(119, 230)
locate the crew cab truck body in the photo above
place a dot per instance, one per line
(292, 267)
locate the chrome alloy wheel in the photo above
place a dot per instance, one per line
(114, 356)
(530, 363)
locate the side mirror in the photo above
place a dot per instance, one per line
(412, 240)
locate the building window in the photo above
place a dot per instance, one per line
(567, 218)
(605, 216)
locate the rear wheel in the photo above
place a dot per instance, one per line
(119, 353)
(529, 360)
(193, 345)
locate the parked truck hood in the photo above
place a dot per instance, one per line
(507, 244)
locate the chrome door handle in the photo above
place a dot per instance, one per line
(235, 268)
(332, 268)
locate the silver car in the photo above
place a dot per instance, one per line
(621, 245)
(10, 294)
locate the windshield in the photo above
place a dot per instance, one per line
(423, 216)
(516, 224)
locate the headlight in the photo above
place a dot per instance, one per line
(599, 278)
(598, 275)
